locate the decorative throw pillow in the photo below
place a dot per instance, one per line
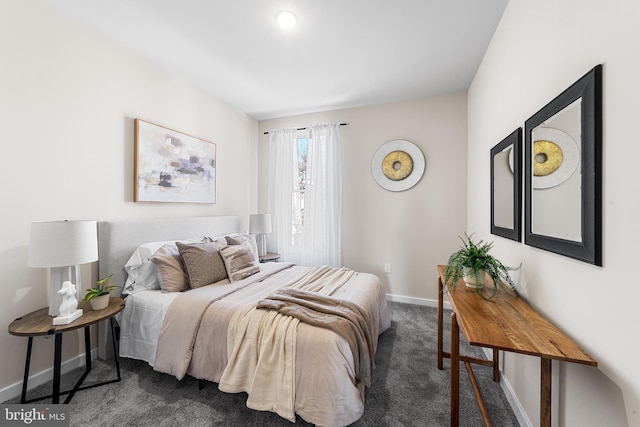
(141, 272)
(202, 263)
(240, 261)
(171, 274)
(236, 239)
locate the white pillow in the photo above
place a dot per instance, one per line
(220, 240)
(142, 274)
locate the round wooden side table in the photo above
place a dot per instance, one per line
(39, 323)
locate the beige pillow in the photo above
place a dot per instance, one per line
(142, 274)
(171, 274)
(203, 263)
(236, 239)
(240, 261)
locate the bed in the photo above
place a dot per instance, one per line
(297, 340)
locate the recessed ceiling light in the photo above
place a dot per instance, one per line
(286, 19)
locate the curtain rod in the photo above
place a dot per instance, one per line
(303, 128)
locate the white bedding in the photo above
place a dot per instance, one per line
(141, 321)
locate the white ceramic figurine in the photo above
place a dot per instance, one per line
(69, 300)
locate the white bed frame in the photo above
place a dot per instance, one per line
(118, 239)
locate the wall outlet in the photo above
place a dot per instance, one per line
(387, 268)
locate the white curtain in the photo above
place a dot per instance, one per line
(319, 241)
(282, 171)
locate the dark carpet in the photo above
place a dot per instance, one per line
(407, 388)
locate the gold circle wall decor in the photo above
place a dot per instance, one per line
(398, 165)
(547, 157)
(555, 157)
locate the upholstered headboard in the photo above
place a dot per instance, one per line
(118, 239)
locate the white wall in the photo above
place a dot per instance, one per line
(67, 104)
(413, 230)
(539, 49)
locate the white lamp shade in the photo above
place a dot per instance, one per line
(260, 223)
(62, 243)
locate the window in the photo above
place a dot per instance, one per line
(297, 195)
(305, 194)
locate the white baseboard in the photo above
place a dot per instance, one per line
(517, 408)
(42, 377)
(510, 394)
(416, 301)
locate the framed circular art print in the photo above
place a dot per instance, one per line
(398, 165)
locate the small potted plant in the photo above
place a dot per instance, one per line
(472, 263)
(98, 296)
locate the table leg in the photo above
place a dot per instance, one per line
(496, 365)
(545, 392)
(87, 348)
(455, 372)
(27, 364)
(57, 361)
(87, 368)
(115, 349)
(440, 323)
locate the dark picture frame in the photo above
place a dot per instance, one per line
(579, 107)
(506, 187)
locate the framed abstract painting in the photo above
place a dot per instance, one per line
(171, 166)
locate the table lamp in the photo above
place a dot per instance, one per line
(62, 246)
(260, 224)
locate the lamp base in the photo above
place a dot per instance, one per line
(262, 244)
(65, 320)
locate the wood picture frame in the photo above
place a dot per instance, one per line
(170, 166)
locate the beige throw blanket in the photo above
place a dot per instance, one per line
(343, 317)
(262, 362)
(262, 347)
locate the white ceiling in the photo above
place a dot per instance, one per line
(341, 53)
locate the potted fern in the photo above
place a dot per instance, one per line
(98, 296)
(472, 263)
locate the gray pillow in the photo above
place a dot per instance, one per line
(240, 261)
(203, 263)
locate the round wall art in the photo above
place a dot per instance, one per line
(555, 157)
(398, 165)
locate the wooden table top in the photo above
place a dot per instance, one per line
(269, 256)
(509, 323)
(40, 323)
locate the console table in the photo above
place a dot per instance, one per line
(506, 323)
